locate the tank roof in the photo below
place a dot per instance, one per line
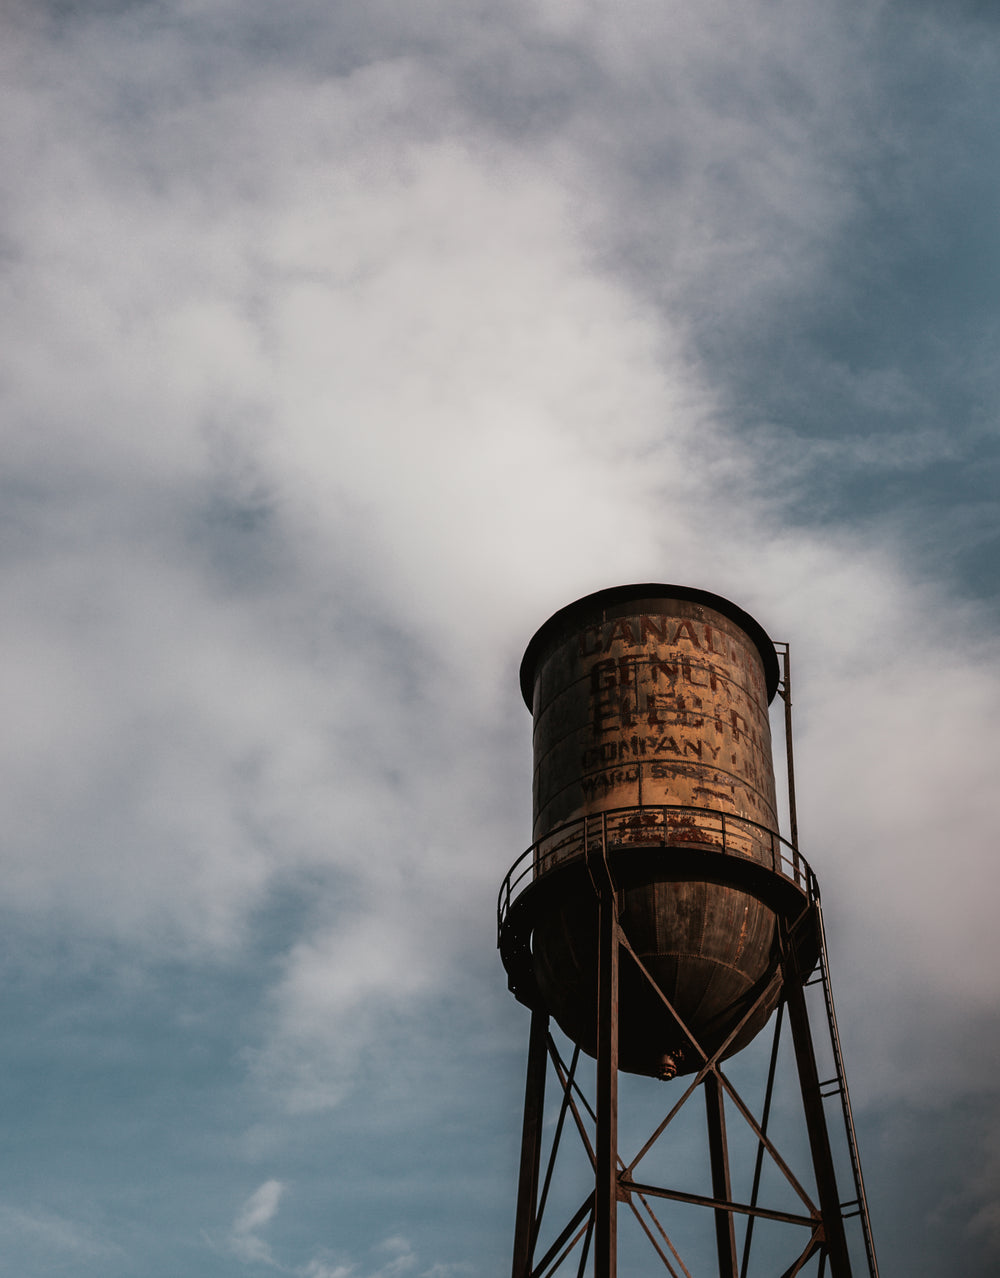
(605, 604)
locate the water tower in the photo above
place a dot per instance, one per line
(661, 921)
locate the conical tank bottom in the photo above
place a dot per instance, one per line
(708, 947)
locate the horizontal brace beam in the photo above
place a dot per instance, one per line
(700, 1200)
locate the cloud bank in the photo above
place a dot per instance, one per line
(341, 350)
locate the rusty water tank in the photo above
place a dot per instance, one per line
(652, 752)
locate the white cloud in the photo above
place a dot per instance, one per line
(321, 1269)
(324, 389)
(256, 1214)
(392, 1257)
(387, 352)
(53, 1238)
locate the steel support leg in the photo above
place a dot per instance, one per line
(606, 1169)
(531, 1146)
(725, 1226)
(819, 1136)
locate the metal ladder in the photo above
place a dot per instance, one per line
(837, 1086)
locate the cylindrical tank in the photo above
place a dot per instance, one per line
(652, 744)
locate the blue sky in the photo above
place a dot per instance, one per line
(341, 345)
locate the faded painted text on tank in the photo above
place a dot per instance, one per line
(653, 709)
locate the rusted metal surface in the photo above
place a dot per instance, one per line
(648, 702)
(531, 1145)
(722, 1190)
(606, 1145)
(644, 828)
(819, 1135)
(651, 730)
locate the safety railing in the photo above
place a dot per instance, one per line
(667, 826)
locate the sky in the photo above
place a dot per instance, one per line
(341, 344)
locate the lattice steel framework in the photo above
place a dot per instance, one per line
(818, 1229)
